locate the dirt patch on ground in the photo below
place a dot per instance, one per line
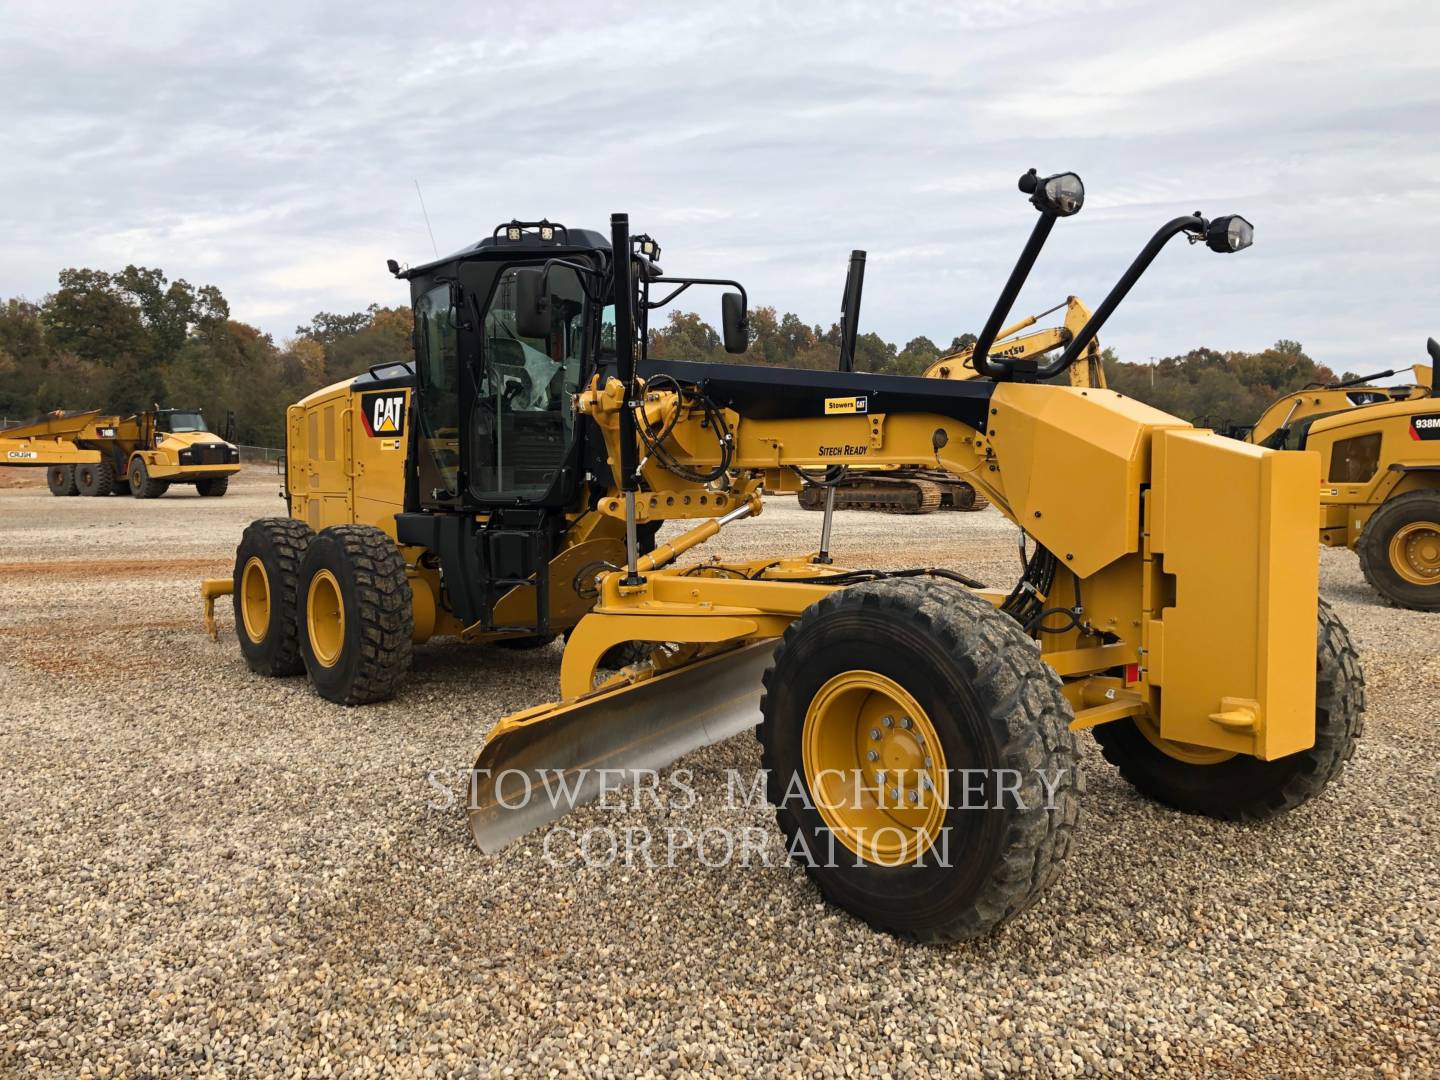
(21, 478)
(111, 568)
(79, 650)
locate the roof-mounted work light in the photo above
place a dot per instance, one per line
(1229, 233)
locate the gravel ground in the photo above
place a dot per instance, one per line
(208, 871)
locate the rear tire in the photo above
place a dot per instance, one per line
(212, 487)
(141, 485)
(1244, 788)
(355, 615)
(95, 480)
(61, 479)
(983, 697)
(267, 567)
(1399, 550)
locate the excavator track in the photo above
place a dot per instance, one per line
(901, 491)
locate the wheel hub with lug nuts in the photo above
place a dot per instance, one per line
(1415, 552)
(875, 768)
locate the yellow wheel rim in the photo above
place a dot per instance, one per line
(875, 768)
(255, 599)
(1181, 751)
(325, 618)
(1415, 552)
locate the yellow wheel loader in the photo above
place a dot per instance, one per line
(1281, 417)
(87, 453)
(919, 727)
(1379, 450)
(910, 490)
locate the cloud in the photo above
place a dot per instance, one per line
(272, 149)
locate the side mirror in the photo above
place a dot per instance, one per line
(532, 304)
(734, 323)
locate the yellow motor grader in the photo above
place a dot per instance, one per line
(88, 453)
(918, 727)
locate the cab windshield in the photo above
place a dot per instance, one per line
(180, 422)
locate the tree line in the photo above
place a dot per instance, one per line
(125, 340)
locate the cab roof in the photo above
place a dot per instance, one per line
(529, 243)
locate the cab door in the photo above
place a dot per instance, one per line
(520, 429)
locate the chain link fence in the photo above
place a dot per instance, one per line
(260, 455)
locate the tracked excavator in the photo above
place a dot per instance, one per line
(919, 728)
(911, 490)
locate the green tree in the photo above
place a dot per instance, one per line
(360, 340)
(685, 336)
(917, 355)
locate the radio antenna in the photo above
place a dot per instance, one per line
(428, 229)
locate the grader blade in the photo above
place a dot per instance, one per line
(538, 765)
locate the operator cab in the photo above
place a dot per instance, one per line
(494, 427)
(507, 333)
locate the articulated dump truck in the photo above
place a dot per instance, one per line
(919, 728)
(87, 453)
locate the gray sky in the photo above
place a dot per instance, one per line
(271, 149)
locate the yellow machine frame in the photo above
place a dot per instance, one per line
(1236, 558)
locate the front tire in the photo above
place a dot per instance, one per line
(267, 568)
(355, 615)
(1243, 788)
(141, 484)
(95, 480)
(61, 479)
(212, 487)
(1399, 550)
(936, 707)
